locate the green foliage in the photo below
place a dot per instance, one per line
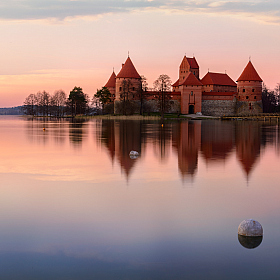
(271, 99)
(78, 101)
(104, 96)
(77, 95)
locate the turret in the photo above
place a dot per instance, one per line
(188, 65)
(128, 76)
(249, 87)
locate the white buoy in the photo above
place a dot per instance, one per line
(250, 227)
(133, 154)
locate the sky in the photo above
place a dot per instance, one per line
(59, 44)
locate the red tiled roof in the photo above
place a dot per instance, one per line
(249, 74)
(112, 81)
(191, 80)
(128, 70)
(218, 79)
(176, 84)
(191, 61)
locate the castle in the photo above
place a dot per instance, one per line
(216, 94)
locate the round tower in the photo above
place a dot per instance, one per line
(249, 91)
(128, 81)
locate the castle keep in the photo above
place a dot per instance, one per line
(216, 94)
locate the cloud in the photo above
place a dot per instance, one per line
(265, 10)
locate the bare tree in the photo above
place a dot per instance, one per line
(30, 103)
(162, 84)
(125, 95)
(58, 103)
(142, 87)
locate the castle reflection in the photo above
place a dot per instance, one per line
(215, 141)
(193, 142)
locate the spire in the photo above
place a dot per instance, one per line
(128, 70)
(112, 81)
(249, 74)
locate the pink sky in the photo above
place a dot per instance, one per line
(78, 43)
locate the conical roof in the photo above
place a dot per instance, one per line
(191, 80)
(249, 74)
(112, 81)
(128, 70)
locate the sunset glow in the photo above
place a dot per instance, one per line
(62, 44)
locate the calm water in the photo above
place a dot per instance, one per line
(75, 206)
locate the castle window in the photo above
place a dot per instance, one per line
(133, 89)
(120, 88)
(191, 93)
(247, 97)
(243, 90)
(255, 97)
(253, 90)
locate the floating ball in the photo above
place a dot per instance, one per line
(250, 227)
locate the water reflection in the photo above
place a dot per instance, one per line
(248, 144)
(214, 141)
(187, 145)
(76, 131)
(250, 242)
(217, 140)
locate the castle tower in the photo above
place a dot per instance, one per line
(191, 94)
(130, 77)
(111, 85)
(188, 65)
(249, 88)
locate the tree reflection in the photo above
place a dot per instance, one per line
(76, 131)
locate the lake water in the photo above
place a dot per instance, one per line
(74, 205)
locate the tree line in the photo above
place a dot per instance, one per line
(57, 105)
(78, 103)
(271, 99)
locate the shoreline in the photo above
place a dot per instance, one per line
(262, 118)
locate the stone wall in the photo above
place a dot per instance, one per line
(173, 106)
(149, 106)
(218, 108)
(249, 108)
